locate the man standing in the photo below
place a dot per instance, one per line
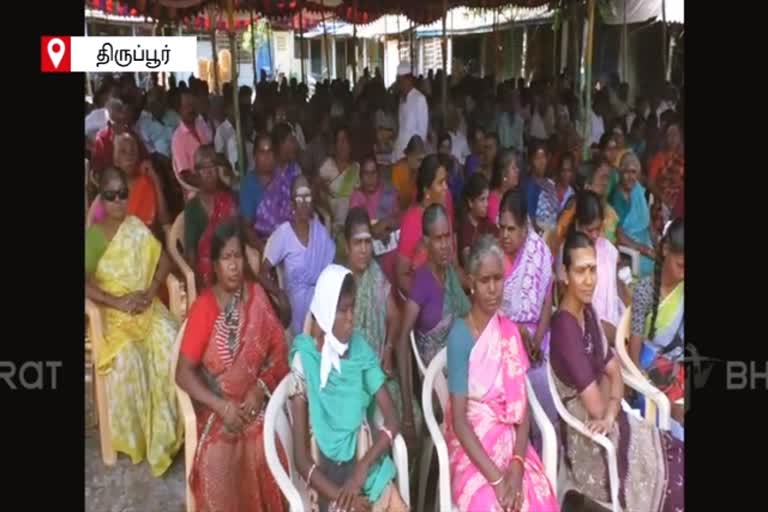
(192, 133)
(413, 112)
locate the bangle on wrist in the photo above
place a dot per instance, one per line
(497, 482)
(518, 459)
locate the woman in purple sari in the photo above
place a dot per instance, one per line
(304, 248)
(275, 206)
(527, 288)
(587, 377)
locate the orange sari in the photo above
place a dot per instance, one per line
(142, 201)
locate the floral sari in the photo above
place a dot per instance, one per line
(275, 205)
(548, 206)
(528, 281)
(662, 357)
(650, 461)
(199, 226)
(243, 347)
(136, 358)
(497, 403)
(373, 291)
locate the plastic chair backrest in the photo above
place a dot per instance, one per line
(276, 422)
(175, 246)
(620, 344)
(600, 439)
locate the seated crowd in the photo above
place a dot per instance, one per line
(320, 255)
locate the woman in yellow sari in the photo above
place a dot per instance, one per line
(124, 268)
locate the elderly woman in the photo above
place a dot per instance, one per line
(528, 282)
(303, 247)
(233, 355)
(336, 381)
(657, 344)
(381, 202)
(506, 176)
(435, 299)
(145, 200)
(125, 268)
(628, 199)
(493, 467)
(210, 207)
(587, 376)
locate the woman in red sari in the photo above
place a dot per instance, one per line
(233, 355)
(211, 206)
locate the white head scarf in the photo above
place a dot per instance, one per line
(323, 308)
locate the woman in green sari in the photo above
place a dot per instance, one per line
(657, 344)
(377, 315)
(341, 176)
(435, 299)
(335, 380)
(125, 267)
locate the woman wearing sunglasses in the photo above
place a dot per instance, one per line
(304, 248)
(145, 200)
(124, 269)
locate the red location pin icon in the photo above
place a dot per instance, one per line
(56, 50)
(55, 54)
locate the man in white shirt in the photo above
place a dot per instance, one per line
(156, 123)
(226, 129)
(98, 117)
(413, 111)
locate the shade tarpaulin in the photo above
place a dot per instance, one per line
(640, 11)
(358, 12)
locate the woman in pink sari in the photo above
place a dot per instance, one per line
(493, 467)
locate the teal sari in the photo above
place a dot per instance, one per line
(635, 221)
(337, 412)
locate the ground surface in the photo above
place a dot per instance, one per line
(125, 487)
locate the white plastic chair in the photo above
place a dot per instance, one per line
(176, 238)
(600, 439)
(292, 485)
(425, 458)
(434, 380)
(634, 255)
(657, 406)
(187, 413)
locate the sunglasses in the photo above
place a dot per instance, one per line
(304, 199)
(114, 195)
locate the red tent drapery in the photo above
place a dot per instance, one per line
(423, 12)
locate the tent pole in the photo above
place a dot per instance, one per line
(253, 47)
(212, 20)
(301, 43)
(445, 60)
(588, 78)
(625, 46)
(236, 103)
(664, 35)
(325, 40)
(354, 45)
